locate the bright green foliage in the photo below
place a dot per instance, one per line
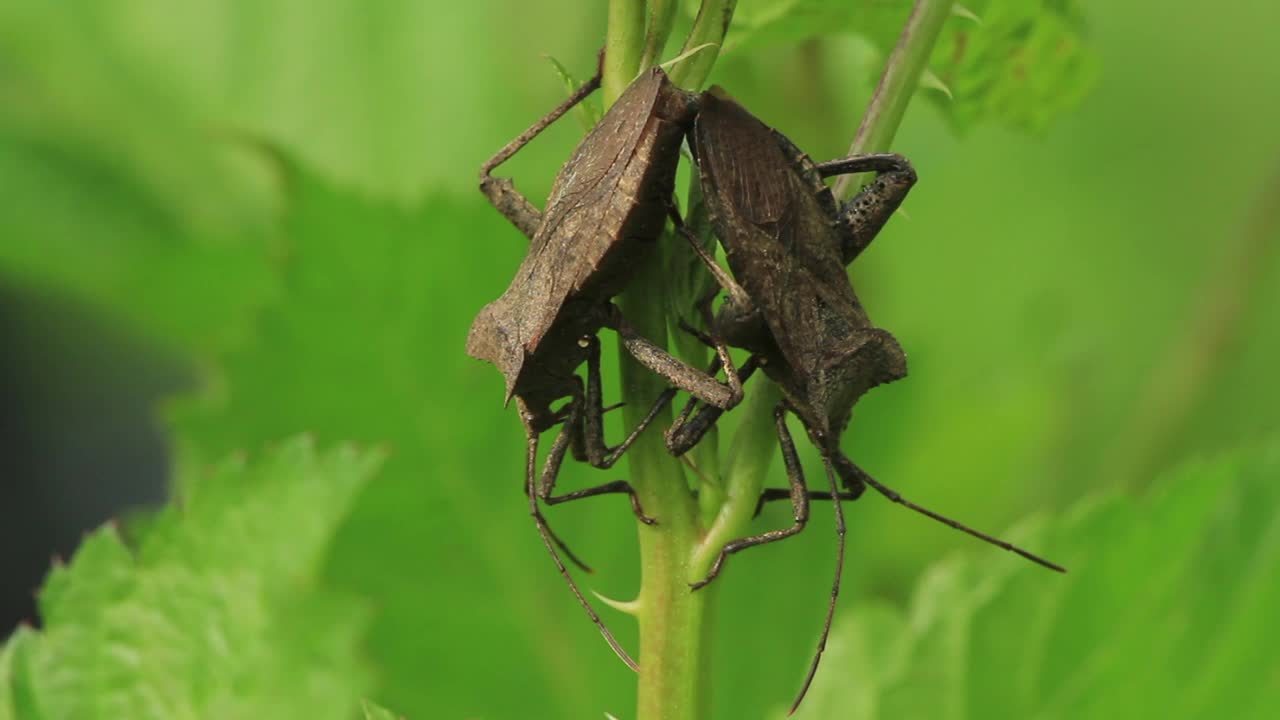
(9, 694)
(359, 90)
(216, 613)
(1035, 291)
(768, 22)
(374, 305)
(373, 711)
(6, 673)
(1021, 62)
(118, 193)
(85, 94)
(1158, 617)
(83, 228)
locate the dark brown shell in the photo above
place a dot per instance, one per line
(777, 222)
(606, 209)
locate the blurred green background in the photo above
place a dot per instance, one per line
(272, 205)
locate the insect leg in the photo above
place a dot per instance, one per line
(772, 494)
(502, 192)
(531, 463)
(835, 585)
(588, 424)
(599, 454)
(853, 488)
(882, 163)
(799, 501)
(550, 470)
(675, 371)
(736, 294)
(617, 486)
(722, 277)
(688, 431)
(862, 217)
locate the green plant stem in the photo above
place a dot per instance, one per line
(709, 27)
(675, 623)
(672, 619)
(750, 454)
(672, 622)
(897, 84)
(624, 45)
(662, 15)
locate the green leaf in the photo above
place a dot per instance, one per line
(216, 613)
(124, 194)
(361, 92)
(17, 697)
(8, 701)
(6, 673)
(92, 230)
(785, 22)
(373, 711)
(1168, 611)
(80, 91)
(1022, 64)
(375, 303)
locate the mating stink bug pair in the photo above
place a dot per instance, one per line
(789, 301)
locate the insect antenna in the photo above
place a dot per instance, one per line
(544, 531)
(835, 585)
(889, 493)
